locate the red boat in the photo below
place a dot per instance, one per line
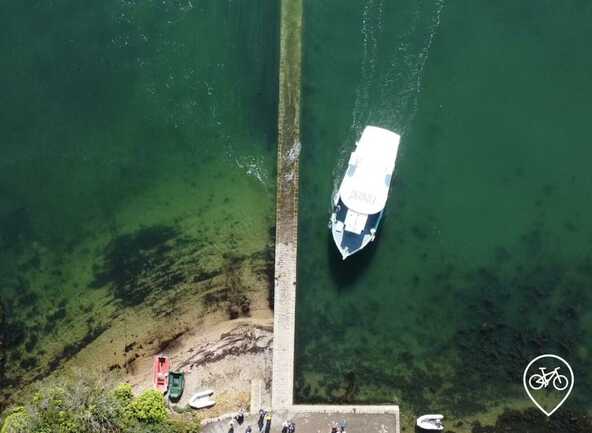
(162, 365)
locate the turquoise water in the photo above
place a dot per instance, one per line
(137, 156)
(484, 258)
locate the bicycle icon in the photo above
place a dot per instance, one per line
(543, 380)
(548, 377)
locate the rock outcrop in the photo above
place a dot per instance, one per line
(240, 340)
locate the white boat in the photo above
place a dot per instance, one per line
(430, 422)
(204, 393)
(359, 203)
(202, 399)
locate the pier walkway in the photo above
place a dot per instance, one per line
(308, 418)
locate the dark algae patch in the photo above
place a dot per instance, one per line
(478, 362)
(532, 421)
(137, 264)
(3, 348)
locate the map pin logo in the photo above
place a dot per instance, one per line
(548, 380)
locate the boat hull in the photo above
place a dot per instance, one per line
(176, 386)
(201, 402)
(160, 373)
(431, 422)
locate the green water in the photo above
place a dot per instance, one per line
(484, 257)
(137, 156)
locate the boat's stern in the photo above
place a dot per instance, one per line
(351, 230)
(337, 229)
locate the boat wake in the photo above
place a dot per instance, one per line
(391, 72)
(388, 93)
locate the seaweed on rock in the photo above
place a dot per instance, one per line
(532, 421)
(3, 319)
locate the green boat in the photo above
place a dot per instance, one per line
(176, 385)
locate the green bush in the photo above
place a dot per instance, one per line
(86, 403)
(78, 404)
(123, 393)
(18, 421)
(149, 408)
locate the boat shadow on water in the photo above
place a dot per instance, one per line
(345, 273)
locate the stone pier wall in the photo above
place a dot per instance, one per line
(287, 203)
(386, 418)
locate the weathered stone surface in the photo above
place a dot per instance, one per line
(240, 340)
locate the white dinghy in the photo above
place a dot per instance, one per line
(202, 400)
(430, 422)
(359, 204)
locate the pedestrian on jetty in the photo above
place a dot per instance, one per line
(240, 416)
(342, 426)
(285, 426)
(248, 430)
(267, 423)
(231, 427)
(334, 427)
(261, 420)
(291, 427)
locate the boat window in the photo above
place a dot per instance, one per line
(387, 180)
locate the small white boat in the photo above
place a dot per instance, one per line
(430, 422)
(359, 204)
(202, 399)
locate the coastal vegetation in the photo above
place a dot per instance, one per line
(83, 403)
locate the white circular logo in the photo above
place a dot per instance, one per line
(550, 373)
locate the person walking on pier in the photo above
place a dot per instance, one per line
(248, 430)
(291, 427)
(267, 423)
(285, 426)
(240, 416)
(261, 420)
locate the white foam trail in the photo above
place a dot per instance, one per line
(396, 90)
(255, 167)
(389, 99)
(371, 27)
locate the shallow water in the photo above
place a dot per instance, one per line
(138, 153)
(483, 260)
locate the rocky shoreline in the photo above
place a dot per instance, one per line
(226, 357)
(241, 340)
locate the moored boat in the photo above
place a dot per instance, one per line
(430, 422)
(202, 400)
(176, 385)
(160, 372)
(359, 203)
